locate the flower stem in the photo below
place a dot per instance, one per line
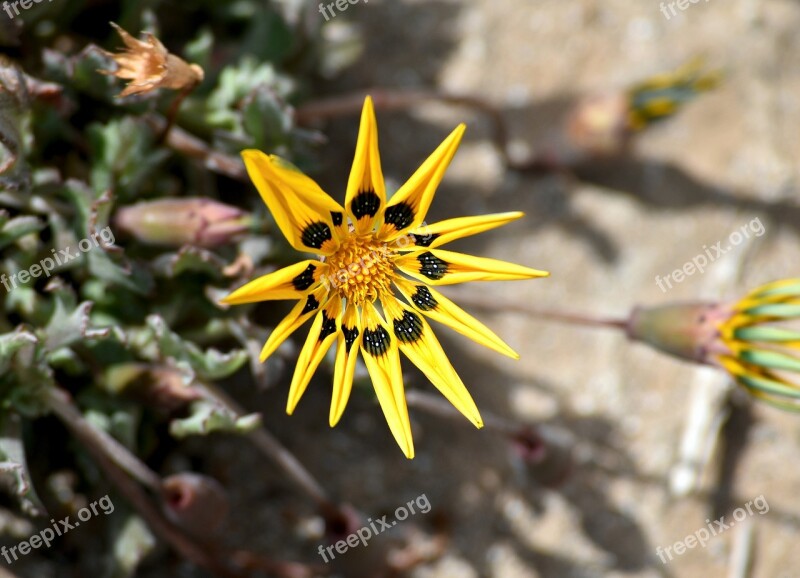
(61, 404)
(549, 314)
(119, 465)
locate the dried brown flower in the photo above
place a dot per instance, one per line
(148, 65)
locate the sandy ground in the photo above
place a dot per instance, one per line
(729, 158)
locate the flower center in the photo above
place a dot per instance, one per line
(361, 270)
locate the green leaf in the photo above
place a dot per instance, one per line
(206, 365)
(199, 50)
(132, 543)
(14, 467)
(124, 157)
(70, 324)
(18, 227)
(266, 119)
(207, 417)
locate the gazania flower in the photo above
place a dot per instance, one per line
(149, 66)
(752, 339)
(370, 291)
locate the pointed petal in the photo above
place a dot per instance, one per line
(349, 342)
(292, 282)
(322, 335)
(305, 214)
(784, 287)
(762, 384)
(433, 304)
(447, 231)
(366, 190)
(382, 359)
(768, 334)
(769, 359)
(299, 314)
(408, 206)
(438, 267)
(784, 310)
(417, 341)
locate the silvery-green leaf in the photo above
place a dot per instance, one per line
(207, 417)
(67, 327)
(14, 467)
(18, 227)
(133, 541)
(208, 365)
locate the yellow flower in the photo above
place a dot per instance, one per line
(374, 252)
(149, 66)
(764, 349)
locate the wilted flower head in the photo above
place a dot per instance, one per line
(149, 66)
(371, 293)
(177, 222)
(752, 339)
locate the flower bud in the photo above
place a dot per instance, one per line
(196, 503)
(603, 125)
(177, 222)
(686, 330)
(545, 454)
(756, 339)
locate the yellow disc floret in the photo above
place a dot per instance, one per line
(361, 270)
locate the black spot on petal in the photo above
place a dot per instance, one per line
(365, 203)
(336, 217)
(409, 328)
(315, 234)
(311, 305)
(305, 279)
(328, 327)
(350, 336)
(400, 215)
(424, 240)
(423, 299)
(431, 266)
(376, 341)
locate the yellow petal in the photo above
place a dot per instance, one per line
(438, 267)
(447, 231)
(349, 342)
(417, 341)
(320, 338)
(292, 282)
(366, 190)
(382, 359)
(299, 314)
(408, 206)
(305, 214)
(433, 304)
